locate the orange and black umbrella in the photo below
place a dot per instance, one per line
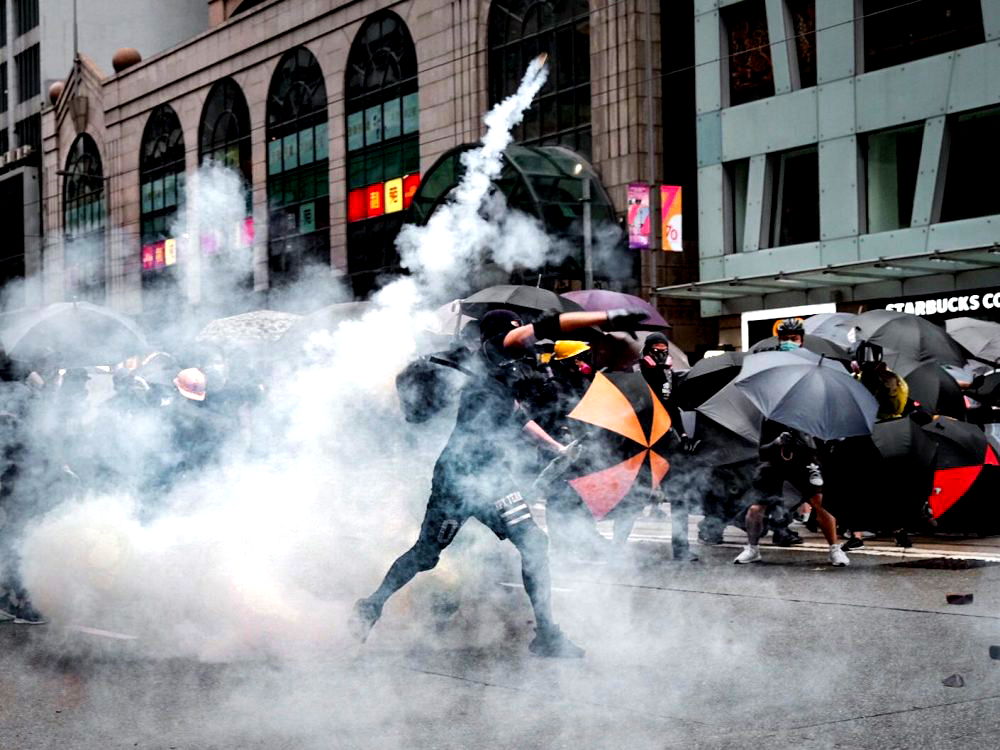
(627, 447)
(966, 477)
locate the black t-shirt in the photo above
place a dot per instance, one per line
(489, 419)
(801, 450)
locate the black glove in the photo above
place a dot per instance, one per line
(624, 319)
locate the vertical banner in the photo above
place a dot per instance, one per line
(670, 217)
(639, 220)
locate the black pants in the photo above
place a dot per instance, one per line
(454, 499)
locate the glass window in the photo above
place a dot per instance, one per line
(895, 32)
(795, 197)
(381, 101)
(751, 76)
(892, 160)
(224, 135)
(298, 227)
(83, 222)
(161, 184)
(973, 160)
(518, 30)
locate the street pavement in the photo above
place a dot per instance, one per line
(788, 653)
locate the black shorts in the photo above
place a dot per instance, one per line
(455, 498)
(770, 478)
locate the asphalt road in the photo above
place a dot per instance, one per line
(787, 653)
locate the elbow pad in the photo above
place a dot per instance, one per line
(548, 326)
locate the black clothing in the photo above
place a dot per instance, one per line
(472, 479)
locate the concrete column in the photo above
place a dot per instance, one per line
(758, 204)
(930, 176)
(783, 62)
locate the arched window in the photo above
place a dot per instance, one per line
(297, 168)
(224, 139)
(83, 221)
(383, 149)
(161, 180)
(521, 29)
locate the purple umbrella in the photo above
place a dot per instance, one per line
(594, 300)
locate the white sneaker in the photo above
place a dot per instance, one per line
(838, 558)
(750, 554)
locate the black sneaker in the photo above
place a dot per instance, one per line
(852, 543)
(18, 611)
(551, 643)
(902, 539)
(785, 538)
(363, 619)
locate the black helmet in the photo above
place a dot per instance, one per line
(789, 326)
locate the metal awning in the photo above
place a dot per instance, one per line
(892, 268)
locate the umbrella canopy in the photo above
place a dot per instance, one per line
(904, 476)
(248, 329)
(707, 377)
(986, 390)
(909, 340)
(808, 393)
(840, 328)
(732, 408)
(966, 487)
(530, 301)
(632, 426)
(74, 334)
(980, 337)
(935, 390)
(813, 344)
(594, 300)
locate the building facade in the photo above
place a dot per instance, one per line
(845, 154)
(37, 43)
(327, 110)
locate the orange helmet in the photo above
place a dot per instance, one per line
(191, 383)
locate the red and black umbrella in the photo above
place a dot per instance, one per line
(628, 445)
(966, 491)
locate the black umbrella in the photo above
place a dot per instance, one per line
(706, 378)
(74, 334)
(935, 390)
(808, 393)
(814, 344)
(530, 301)
(966, 490)
(909, 340)
(904, 476)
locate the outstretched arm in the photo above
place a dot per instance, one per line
(553, 325)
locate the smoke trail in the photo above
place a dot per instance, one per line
(470, 227)
(261, 550)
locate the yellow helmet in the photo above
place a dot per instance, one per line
(567, 349)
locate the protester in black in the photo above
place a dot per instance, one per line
(472, 477)
(793, 456)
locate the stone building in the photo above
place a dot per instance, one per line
(319, 105)
(323, 107)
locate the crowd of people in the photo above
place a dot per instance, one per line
(516, 443)
(519, 391)
(158, 421)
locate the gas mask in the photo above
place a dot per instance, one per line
(658, 358)
(584, 367)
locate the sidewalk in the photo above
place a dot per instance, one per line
(986, 549)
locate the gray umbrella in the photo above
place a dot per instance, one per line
(809, 393)
(840, 328)
(981, 337)
(731, 408)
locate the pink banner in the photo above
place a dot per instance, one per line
(640, 223)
